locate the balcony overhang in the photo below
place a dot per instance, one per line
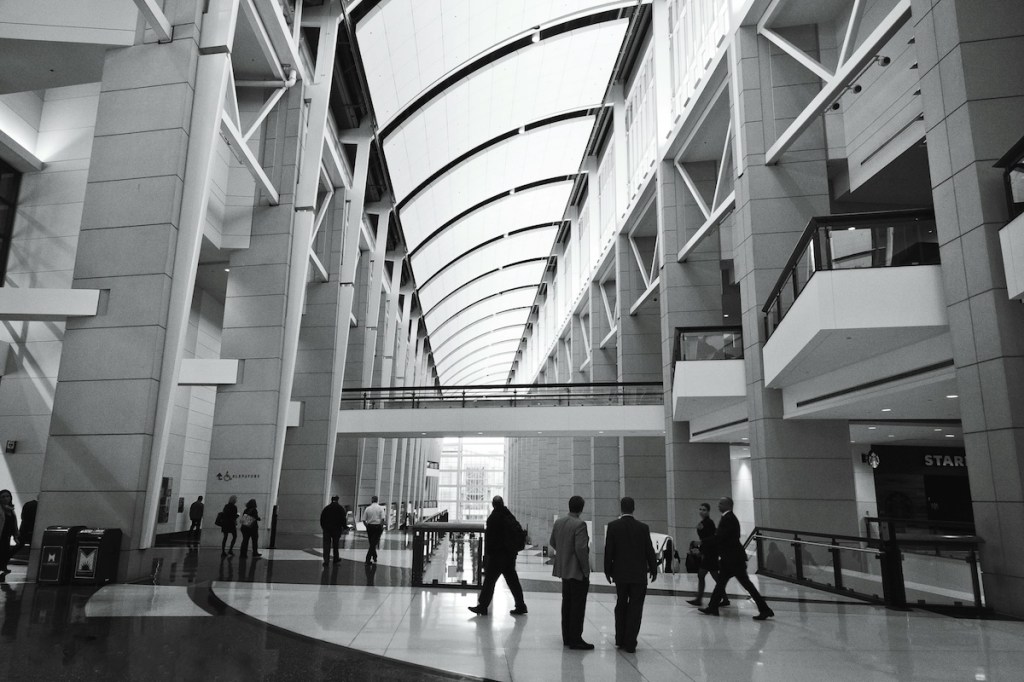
(1011, 239)
(845, 316)
(704, 386)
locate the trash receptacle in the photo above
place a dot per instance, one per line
(55, 558)
(97, 556)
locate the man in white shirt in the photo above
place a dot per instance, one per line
(373, 519)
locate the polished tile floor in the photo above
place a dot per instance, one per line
(286, 617)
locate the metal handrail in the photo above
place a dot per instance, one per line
(824, 261)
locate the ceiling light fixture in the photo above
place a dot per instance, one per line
(950, 435)
(872, 428)
(886, 409)
(952, 395)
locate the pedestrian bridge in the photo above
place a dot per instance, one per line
(600, 409)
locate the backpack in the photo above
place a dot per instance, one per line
(220, 519)
(515, 536)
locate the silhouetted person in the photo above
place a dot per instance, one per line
(501, 546)
(250, 529)
(629, 559)
(571, 542)
(332, 522)
(8, 530)
(28, 521)
(373, 519)
(195, 515)
(708, 556)
(733, 563)
(228, 526)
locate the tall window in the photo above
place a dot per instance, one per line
(472, 472)
(10, 180)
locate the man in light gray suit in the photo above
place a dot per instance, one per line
(571, 542)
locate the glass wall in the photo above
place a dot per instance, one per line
(472, 472)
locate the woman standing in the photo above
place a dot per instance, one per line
(708, 553)
(228, 523)
(8, 530)
(250, 529)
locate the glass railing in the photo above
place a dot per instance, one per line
(720, 343)
(447, 554)
(938, 571)
(511, 395)
(853, 241)
(1012, 164)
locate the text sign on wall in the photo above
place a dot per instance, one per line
(945, 461)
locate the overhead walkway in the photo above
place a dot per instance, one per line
(600, 409)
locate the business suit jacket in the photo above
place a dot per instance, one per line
(571, 542)
(727, 542)
(628, 551)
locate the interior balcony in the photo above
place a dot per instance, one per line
(858, 287)
(709, 387)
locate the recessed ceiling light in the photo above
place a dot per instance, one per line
(891, 436)
(744, 438)
(937, 430)
(872, 428)
(725, 315)
(950, 435)
(850, 229)
(227, 269)
(423, 433)
(886, 409)
(952, 395)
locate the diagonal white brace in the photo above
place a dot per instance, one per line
(156, 19)
(247, 158)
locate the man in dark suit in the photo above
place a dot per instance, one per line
(500, 558)
(733, 563)
(628, 559)
(332, 522)
(571, 542)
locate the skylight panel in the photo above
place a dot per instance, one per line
(511, 277)
(567, 72)
(407, 45)
(451, 335)
(548, 152)
(513, 300)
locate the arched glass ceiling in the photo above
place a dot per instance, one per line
(486, 111)
(563, 73)
(509, 278)
(518, 299)
(512, 319)
(483, 374)
(553, 151)
(534, 206)
(453, 364)
(467, 341)
(514, 248)
(407, 45)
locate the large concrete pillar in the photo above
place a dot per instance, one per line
(973, 89)
(801, 470)
(690, 295)
(139, 241)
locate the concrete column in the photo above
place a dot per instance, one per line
(973, 89)
(690, 295)
(114, 398)
(642, 460)
(801, 470)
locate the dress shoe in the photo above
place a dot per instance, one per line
(519, 611)
(337, 560)
(257, 554)
(581, 646)
(693, 602)
(709, 611)
(765, 615)
(629, 649)
(724, 602)
(478, 610)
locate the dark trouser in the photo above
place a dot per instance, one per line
(373, 533)
(701, 577)
(193, 530)
(574, 608)
(248, 535)
(629, 609)
(495, 566)
(224, 540)
(331, 540)
(6, 550)
(743, 579)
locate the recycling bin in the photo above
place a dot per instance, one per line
(55, 558)
(96, 556)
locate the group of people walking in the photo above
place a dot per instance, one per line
(629, 563)
(230, 521)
